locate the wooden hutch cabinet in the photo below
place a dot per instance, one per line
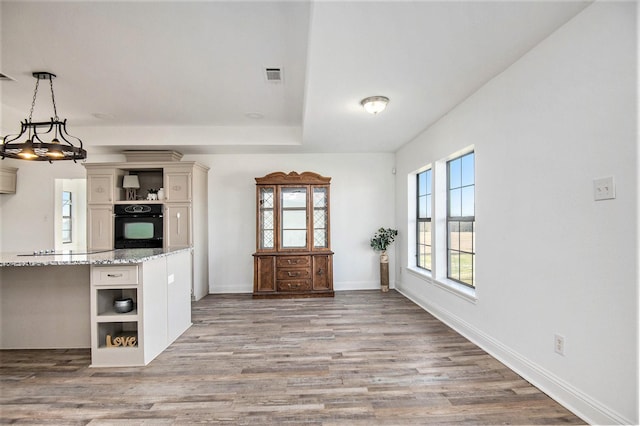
(293, 254)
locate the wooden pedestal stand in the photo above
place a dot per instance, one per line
(384, 272)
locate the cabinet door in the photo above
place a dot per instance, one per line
(264, 274)
(177, 219)
(179, 294)
(100, 228)
(154, 328)
(320, 219)
(8, 180)
(294, 219)
(100, 188)
(322, 272)
(177, 186)
(266, 218)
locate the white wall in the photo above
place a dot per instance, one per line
(361, 201)
(549, 258)
(27, 217)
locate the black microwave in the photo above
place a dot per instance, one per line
(138, 226)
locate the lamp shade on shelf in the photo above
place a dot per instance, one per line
(131, 184)
(131, 181)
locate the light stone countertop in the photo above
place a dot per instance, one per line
(95, 257)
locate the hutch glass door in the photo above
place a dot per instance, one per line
(266, 217)
(293, 208)
(320, 216)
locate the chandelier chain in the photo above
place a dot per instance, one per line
(33, 102)
(53, 99)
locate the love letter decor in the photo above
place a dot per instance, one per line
(121, 341)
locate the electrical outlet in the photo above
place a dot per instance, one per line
(604, 189)
(558, 344)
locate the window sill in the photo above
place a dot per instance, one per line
(455, 288)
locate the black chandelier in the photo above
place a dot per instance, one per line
(34, 147)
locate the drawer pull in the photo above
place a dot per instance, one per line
(294, 285)
(293, 274)
(114, 275)
(320, 271)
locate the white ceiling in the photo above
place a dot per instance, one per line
(184, 75)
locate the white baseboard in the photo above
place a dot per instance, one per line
(230, 289)
(582, 405)
(337, 286)
(356, 285)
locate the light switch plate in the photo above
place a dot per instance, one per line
(604, 189)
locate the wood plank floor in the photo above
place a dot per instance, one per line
(361, 358)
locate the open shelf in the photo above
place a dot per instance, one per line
(115, 316)
(117, 335)
(139, 202)
(105, 299)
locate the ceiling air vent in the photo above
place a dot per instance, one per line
(273, 74)
(4, 77)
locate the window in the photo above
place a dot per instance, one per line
(423, 220)
(461, 219)
(66, 217)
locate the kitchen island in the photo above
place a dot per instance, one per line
(66, 300)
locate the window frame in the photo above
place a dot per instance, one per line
(460, 219)
(427, 219)
(67, 203)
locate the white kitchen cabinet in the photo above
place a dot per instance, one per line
(185, 199)
(177, 185)
(100, 188)
(8, 179)
(178, 294)
(161, 291)
(100, 227)
(177, 231)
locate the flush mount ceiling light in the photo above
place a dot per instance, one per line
(374, 104)
(35, 148)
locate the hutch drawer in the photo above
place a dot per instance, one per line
(290, 273)
(294, 285)
(284, 261)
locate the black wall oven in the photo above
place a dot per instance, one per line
(138, 226)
